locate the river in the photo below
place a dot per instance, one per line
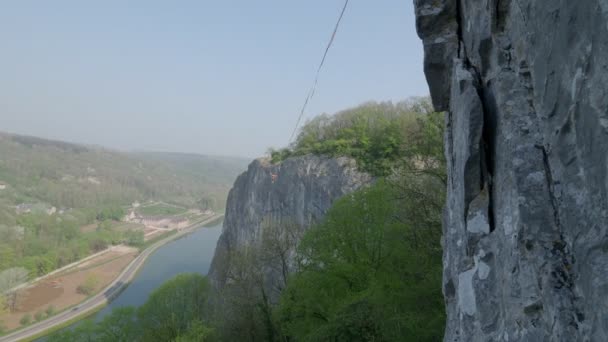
(190, 253)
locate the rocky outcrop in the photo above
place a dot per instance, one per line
(294, 194)
(525, 87)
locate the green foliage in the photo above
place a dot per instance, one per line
(243, 306)
(206, 203)
(12, 277)
(243, 311)
(171, 309)
(3, 304)
(26, 319)
(161, 209)
(277, 156)
(371, 271)
(88, 287)
(49, 242)
(50, 310)
(7, 256)
(173, 312)
(84, 332)
(39, 316)
(374, 134)
(134, 238)
(41, 243)
(115, 213)
(363, 278)
(197, 332)
(121, 325)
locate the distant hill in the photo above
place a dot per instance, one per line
(39, 172)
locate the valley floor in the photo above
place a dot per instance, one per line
(59, 289)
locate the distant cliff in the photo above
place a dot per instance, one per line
(295, 193)
(526, 225)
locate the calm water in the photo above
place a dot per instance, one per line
(190, 253)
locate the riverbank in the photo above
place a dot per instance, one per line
(98, 301)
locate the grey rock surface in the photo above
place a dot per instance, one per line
(304, 189)
(525, 87)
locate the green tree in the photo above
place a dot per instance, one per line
(115, 213)
(134, 238)
(88, 287)
(9, 279)
(120, 326)
(374, 134)
(86, 331)
(12, 277)
(44, 264)
(50, 310)
(7, 256)
(279, 242)
(244, 313)
(197, 332)
(206, 203)
(104, 226)
(363, 278)
(171, 308)
(62, 335)
(38, 316)
(26, 319)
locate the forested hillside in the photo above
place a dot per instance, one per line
(66, 175)
(60, 201)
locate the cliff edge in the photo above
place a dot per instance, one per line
(524, 84)
(294, 194)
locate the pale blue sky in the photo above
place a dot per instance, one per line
(214, 77)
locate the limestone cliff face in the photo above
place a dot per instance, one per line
(525, 87)
(304, 189)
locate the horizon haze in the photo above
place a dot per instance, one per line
(213, 78)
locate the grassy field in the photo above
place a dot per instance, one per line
(161, 209)
(61, 290)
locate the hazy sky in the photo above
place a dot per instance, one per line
(214, 77)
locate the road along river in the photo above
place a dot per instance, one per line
(191, 252)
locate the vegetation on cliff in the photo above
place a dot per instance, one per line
(371, 271)
(377, 135)
(365, 274)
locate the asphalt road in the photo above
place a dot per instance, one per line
(101, 298)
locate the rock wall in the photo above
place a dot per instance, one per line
(300, 195)
(525, 87)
